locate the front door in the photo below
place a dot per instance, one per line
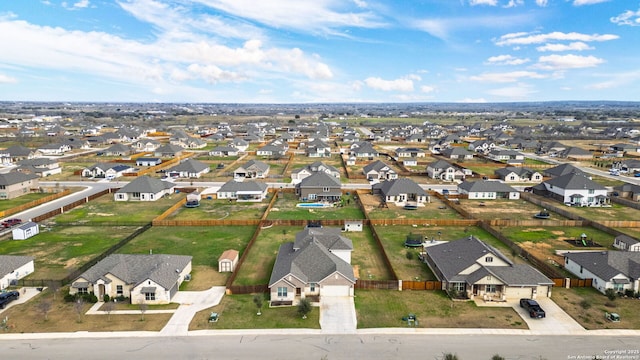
(100, 294)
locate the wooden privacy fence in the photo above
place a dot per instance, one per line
(68, 207)
(421, 285)
(377, 284)
(247, 289)
(431, 222)
(34, 203)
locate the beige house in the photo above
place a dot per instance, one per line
(14, 184)
(228, 260)
(149, 279)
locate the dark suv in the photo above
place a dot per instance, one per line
(7, 297)
(533, 308)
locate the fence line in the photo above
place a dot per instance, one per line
(34, 203)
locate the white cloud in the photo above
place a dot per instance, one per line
(443, 27)
(514, 3)
(630, 18)
(483, 2)
(507, 77)
(542, 3)
(506, 60)
(574, 46)
(361, 4)
(427, 88)
(587, 2)
(81, 4)
(402, 84)
(319, 16)
(563, 62)
(5, 79)
(528, 39)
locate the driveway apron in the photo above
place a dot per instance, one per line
(190, 303)
(337, 315)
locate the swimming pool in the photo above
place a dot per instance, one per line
(313, 205)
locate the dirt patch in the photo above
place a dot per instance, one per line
(356, 271)
(558, 232)
(532, 230)
(542, 251)
(101, 214)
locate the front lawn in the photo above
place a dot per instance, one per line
(433, 309)
(240, 312)
(588, 306)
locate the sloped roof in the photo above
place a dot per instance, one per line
(256, 164)
(13, 177)
(376, 166)
(235, 186)
(133, 269)
(518, 170)
(440, 164)
(562, 169)
(607, 264)
(9, 263)
(18, 151)
(319, 179)
(485, 186)
(399, 186)
(190, 166)
(146, 184)
(573, 181)
(331, 238)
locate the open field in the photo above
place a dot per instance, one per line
(435, 209)
(106, 210)
(60, 250)
(587, 306)
(433, 309)
(503, 209)
(285, 208)
(239, 312)
(64, 317)
(220, 210)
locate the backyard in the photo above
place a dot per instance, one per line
(285, 208)
(616, 212)
(435, 209)
(21, 200)
(60, 250)
(433, 309)
(221, 210)
(503, 209)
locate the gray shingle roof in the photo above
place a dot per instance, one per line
(607, 264)
(399, 186)
(13, 177)
(377, 165)
(317, 180)
(257, 164)
(573, 181)
(440, 164)
(190, 166)
(133, 269)
(331, 238)
(146, 184)
(235, 186)
(520, 171)
(485, 186)
(9, 263)
(562, 169)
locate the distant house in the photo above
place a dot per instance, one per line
(400, 192)
(488, 190)
(118, 150)
(481, 146)
(379, 171)
(189, 168)
(240, 144)
(148, 161)
(42, 167)
(628, 191)
(19, 152)
(470, 268)
(252, 169)
(168, 151)
(146, 145)
(457, 153)
(319, 187)
(518, 174)
(363, 149)
(106, 170)
(224, 151)
(14, 268)
(271, 151)
(508, 156)
(576, 153)
(144, 188)
(617, 270)
(560, 170)
(575, 189)
(626, 243)
(14, 184)
(410, 153)
(148, 279)
(317, 263)
(54, 149)
(243, 191)
(317, 148)
(443, 170)
(298, 175)
(25, 231)
(228, 260)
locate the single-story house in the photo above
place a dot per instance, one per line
(470, 268)
(457, 152)
(508, 156)
(317, 263)
(189, 168)
(25, 231)
(168, 151)
(228, 260)
(148, 161)
(106, 170)
(243, 191)
(400, 192)
(224, 151)
(118, 150)
(42, 167)
(379, 171)
(518, 174)
(149, 279)
(410, 153)
(14, 268)
(488, 190)
(144, 188)
(252, 169)
(626, 243)
(617, 270)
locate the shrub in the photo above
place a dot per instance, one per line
(497, 357)
(611, 294)
(121, 298)
(106, 298)
(585, 304)
(628, 293)
(449, 356)
(409, 255)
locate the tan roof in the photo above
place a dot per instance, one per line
(229, 255)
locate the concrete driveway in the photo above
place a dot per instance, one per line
(26, 293)
(556, 322)
(190, 303)
(337, 314)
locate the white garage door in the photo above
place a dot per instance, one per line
(519, 293)
(334, 290)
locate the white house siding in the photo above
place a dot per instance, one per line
(598, 283)
(162, 295)
(18, 274)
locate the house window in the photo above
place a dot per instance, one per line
(581, 269)
(312, 287)
(282, 291)
(83, 290)
(592, 191)
(313, 196)
(151, 196)
(488, 259)
(135, 194)
(490, 288)
(119, 290)
(618, 287)
(458, 286)
(121, 196)
(150, 296)
(326, 189)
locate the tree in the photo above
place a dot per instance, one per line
(257, 299)
(449, 356)
(54, 286)
(78, 307)
(108, 307)
(497, 357)
(304, 307)
(45, 306)
(143, 306)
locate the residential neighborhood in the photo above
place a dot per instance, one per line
(308, 218)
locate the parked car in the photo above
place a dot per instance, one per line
(7, 297)
(533, 308)
(11, 222)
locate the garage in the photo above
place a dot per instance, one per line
(519, 293)
(335, 290)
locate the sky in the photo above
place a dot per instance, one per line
(317, 51)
